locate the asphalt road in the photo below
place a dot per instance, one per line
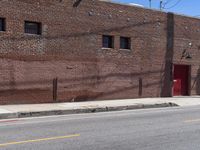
(150, 129)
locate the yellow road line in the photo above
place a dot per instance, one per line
(192, 120)
(40, 140)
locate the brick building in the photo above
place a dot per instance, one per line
(73, 50)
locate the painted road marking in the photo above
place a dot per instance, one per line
(39, 140)
(192, 120)
(7, 121)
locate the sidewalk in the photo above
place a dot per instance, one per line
(33, 110)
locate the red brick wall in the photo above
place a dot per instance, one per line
(70, 49)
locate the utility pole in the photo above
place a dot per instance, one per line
(149, 3)
(161, 4)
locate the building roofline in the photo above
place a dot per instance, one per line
(151, 9)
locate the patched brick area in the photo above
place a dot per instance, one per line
(70, 50)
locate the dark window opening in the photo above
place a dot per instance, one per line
(32, 27)
(108, 41)
(125, 43)
(2, 24)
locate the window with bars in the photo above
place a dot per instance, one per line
(33, 27)
(108, 41)
(2, 24)
(125, 43)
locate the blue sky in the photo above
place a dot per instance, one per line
(187, 7)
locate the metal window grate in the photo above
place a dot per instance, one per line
(108, 41)
(125, 43)
(2, 24)
(32, 27)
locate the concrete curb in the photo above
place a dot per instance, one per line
(82, 110)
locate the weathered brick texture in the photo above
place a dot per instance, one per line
(70, 49)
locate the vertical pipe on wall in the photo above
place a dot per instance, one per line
(55, 88)
(140, 87)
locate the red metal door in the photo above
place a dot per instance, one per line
(177, 87)
(181, 80)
